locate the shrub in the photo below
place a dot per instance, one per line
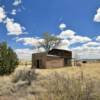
(24, 75)
(8, 59)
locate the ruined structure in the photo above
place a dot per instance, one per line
(53, 59)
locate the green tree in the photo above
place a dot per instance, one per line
(49, 41)
(8, 59)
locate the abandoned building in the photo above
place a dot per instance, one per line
(53, 59)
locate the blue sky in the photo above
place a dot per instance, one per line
(25, 19)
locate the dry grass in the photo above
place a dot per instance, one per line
(92, 70)
(18, 91)
(65, 87)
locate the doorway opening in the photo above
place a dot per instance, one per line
(38, 63)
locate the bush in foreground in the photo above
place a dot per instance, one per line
(8, 59)
(24, 75)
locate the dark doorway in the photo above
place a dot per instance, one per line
(38, 63)
(84, 62)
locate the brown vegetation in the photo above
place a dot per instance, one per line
(70, 83)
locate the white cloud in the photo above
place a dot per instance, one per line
(62, 26)
(97, 16)
(64, 44)
(13, 12)
(67, 34)
(26, 54)
(71, 36)
(2, 14)
(80, 39)
(90, 50)
(17, 2)
(30, 41)
(98, 38)
(36, 42)
(13, 28)
(92, 44)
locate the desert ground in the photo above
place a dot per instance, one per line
(10, 89)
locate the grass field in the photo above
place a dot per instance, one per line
(21, 91)
(92, 69)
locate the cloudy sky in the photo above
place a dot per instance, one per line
(77, 22)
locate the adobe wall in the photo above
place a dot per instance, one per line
(49, 61)
(39, 56)
(55, 63)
